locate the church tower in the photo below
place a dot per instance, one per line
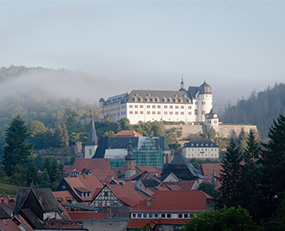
(91, 146)
(130, 162)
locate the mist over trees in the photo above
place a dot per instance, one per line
(259, 109)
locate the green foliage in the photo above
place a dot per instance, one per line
(32, 177)
(225, 219)
(273, 162)
(230, 177)
(17, 151)
(210, 189)
(61, 137)
(259, 109)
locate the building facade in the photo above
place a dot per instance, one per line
(188, 106)
(200, 149)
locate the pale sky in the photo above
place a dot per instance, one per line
(237, 46)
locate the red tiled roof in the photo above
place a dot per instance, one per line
(53, 224)
(140, 223)
(149, 169)
(87, 215)
(174, 201)
(128, 133)
(62, 196)
(120, 170)
(208, 168)
(98, 164)
(8, 225)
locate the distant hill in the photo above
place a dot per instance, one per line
(259, 109)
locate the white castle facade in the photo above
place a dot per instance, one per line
(189, 106)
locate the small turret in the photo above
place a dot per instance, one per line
(130, 162)
(92, 144)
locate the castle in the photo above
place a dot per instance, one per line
(188, 106)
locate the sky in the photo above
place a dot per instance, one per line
(236, 46)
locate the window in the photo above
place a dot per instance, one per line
(150, 215)
(186, 216)
(148, 112)
(171, 113)
(182, 107)
(182, 113)
(168, 215)
(176, 107)
(158, 112)
(195, 112)
(165, 106)
(145, 215)
(141, 106)
(105, 194)
(148, 106)
(134, 215)
(156, 215)
(153, 106)
(141, 112)
(189, 113)
(131, 112)
(158, 106)
(165, 113)
(163, 215)
(136, 112)
(153, 112)
(176, 113)
(90, 151)
(170, 107)
(139, 215)
(179, 215)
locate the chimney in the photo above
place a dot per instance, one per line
(41, 199)
(148, 202)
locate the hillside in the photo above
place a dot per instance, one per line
(259, 109)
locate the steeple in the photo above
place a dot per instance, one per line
(92, 144)
(182, 84)
(92, 140)
(130, 162)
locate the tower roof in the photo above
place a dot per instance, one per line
(205, 88)
(92, 140)
(130, 155)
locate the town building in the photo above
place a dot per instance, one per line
(168, 210)
(147, 150)
(189, 106)
(201, 149)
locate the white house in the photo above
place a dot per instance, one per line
(200, 149)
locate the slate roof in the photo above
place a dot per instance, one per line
(174, 201)
(205, 143)
(48, 202)
(123, 142)
(4, 213)
(181, 160)
(92, 140)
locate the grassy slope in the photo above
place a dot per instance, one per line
(8, 189)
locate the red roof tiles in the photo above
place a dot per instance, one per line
(128, 133)
(174, 201)
(141, 223)
(87, 215)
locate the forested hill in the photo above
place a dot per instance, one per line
(260, 108)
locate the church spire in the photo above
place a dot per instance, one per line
(182, 83)
(92, 135)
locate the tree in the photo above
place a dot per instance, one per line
(273, 170)
(17, 150)
(44, 179)
(37, 133)
(32, 177)
(61, 138)
(209, 189)
(230, 176)
(225, 219)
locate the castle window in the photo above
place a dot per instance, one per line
(136, 112)
(170, 107)
(148, 112)
(189, 113)
(148, 95)
(182, 107)
(153, 106)
(158, 106)
(169, 100)
(158, 112)
(182, 113)
(141, 112)
(165, 113)
(90, 151)
(189, 107)
(146, 99)
(179, 100)
(131, 112)
(153, 112)
(136, 106)
(131, 106)
(141, 106)
(176, 107)
(171, 113)
(156, 99)
(176, 113)
(195, 112)
(165, 106)
(148, 106)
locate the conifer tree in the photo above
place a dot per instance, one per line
(230, 177)
(273, 163)
(32, 177)
(17, 150)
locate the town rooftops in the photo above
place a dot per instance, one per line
(128, 133)
(174, 201)
(205, 143)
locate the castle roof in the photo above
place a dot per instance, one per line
(205, 88)
(201, 143)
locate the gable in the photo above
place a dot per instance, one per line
(106, 198)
